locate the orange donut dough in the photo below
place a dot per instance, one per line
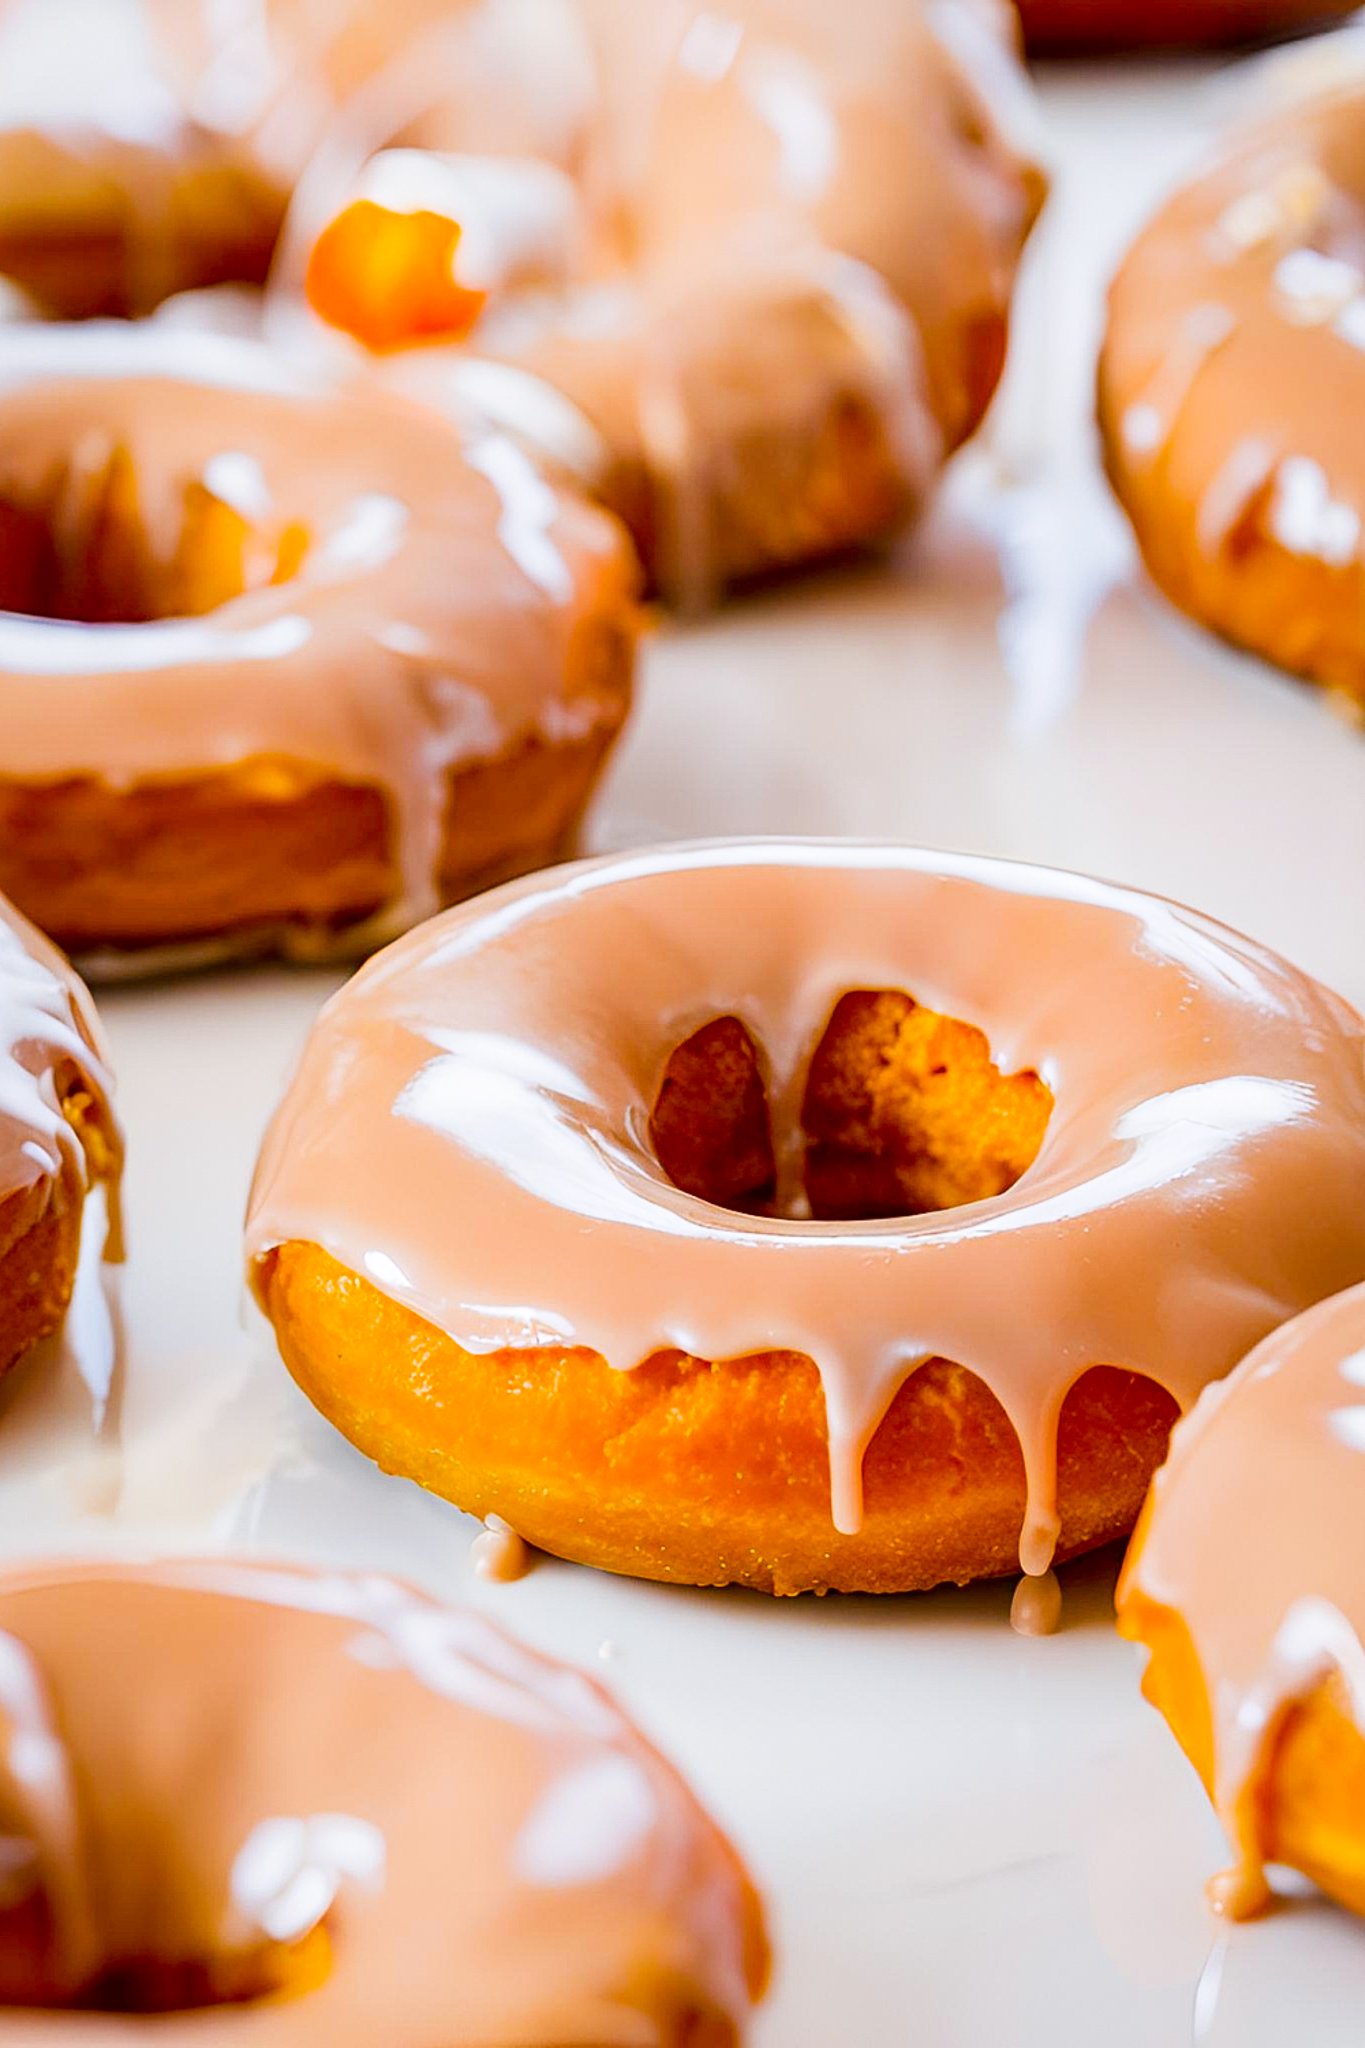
(820, 1295)
(1232, 389)
(1061, 25)
(1244, 1582)
(58, 1136)
(409, 1830)
(280, 667)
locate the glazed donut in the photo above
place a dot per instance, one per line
(771, 281)
(804, 1215)
(1246, 1581)
(1078, 25)
(111, 196)
(330, 1810)
(280, 666)
(59, 1140)
(1232, 389)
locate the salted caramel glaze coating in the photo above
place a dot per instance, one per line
(765, 251)
(1247, 1582)
(59, 1137)
(279, 665)
(276, 1805)
(1232, 385)
(478, 1266)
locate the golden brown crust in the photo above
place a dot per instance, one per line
(706, 1474)
(40, 1232)
(273, 843)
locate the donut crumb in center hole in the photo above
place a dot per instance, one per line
(81, 548)
(903, 1112)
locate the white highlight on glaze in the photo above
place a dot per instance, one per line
(1290, 204)
(529, 511)
(289, 1872)
(789, 95)
(1350, 323)
(710, 46)
(1245, 472)
(44, 1789)
(529, 409)
(589, 1825)
(520, 218)
(370, 534)
(1348, 1427)
(1308, 520)
(1353, 1369)
(57, 649)
(239, 481)
(1312, 289)
(1142, 428)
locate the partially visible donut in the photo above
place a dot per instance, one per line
(1232, 389)
(1246, 1581)
(281, 1806)
(534, 1226)
(112, 195)
(1072, 25)
(280, 667)
(775, 270)
(59, 1139)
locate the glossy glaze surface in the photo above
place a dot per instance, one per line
(1255, 1541)
(333, 1790)
(406, 597)
(496, 1070)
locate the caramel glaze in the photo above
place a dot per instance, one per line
(335, 1811)
(784, 296)
(1232, 385)
(1253, 1540)
(469, 1131)
(59, 1136)
(405, 607)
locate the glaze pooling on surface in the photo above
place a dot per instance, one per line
(762, 220)
(468, 1130)
(47, 1024)
(1255, 1541)
(407, 597)
(1232, 384)
(418, 1829)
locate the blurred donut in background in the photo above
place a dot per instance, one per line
(1232, 380)
(1081, 25)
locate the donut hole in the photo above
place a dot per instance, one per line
(145, 1983)
(903, 1112)
(87, 548)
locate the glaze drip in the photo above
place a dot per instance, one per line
(501, 1064)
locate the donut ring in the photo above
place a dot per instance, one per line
(545, 1306)
(1078, 25)
(443, 1837)
(1232, 390)
(1245, 1582)
(774, 309)
(59, 1138)
(304, 665)
(116, 198)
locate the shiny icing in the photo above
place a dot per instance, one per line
(424, 630)
(1255, 1540)
(469, 1130)
(1233, 376)
(854, 185)
(489, 1852)
(47, 1024)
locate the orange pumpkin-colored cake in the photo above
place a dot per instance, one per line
(1246, 1581)
(280, 667)
(267, 1804)
(59, 1140)
(1232, 387)
(801, 1215)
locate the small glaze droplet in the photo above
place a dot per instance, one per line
(1238, 1893)
(1036, 1609)
(499, 1553)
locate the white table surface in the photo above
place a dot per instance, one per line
(967, 1840)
